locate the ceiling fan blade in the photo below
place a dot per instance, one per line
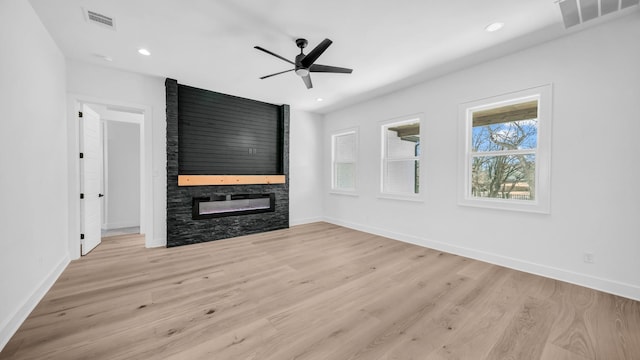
(307, 81)
(329, 69)
(274, 54)
(278, 73)
(314, 54)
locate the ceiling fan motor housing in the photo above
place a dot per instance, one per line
(300, 69)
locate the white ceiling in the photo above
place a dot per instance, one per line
(209, 43)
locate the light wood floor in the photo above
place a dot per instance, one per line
(316, 291)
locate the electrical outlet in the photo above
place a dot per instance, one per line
(588, 258)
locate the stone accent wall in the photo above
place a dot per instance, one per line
(181, 228)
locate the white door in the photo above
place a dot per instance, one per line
(90, 175)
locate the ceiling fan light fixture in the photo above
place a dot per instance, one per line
(302, 72)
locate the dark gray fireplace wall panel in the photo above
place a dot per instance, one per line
(221, 134)
(181, 228)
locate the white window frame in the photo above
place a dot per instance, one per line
(334, 136)
(383, 125)
(542, 199)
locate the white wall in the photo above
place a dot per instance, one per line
(595, 205)
(33, 164)
(115, 87)
(122, 166)
(305, 167)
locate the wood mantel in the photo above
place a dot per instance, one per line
(201, 180)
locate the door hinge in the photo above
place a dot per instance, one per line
(81, 195)
(79, 113)
(81, 236)
(81, 155)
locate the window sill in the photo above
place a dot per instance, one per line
(343, 192)
(508, 205)
(410, 198)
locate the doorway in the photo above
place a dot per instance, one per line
(121, 173)
(122, 160)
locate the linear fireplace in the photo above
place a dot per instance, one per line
(207, 200)
(232, 205)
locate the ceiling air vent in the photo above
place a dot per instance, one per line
(99, 19)
(576, 12)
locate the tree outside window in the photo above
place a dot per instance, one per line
(503, 145)
(507, 142)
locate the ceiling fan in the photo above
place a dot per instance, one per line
(305, 64)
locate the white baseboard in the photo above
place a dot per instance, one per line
(9, 327)
(294, 222)
(121, 225)
(606, 285)
(156, 243)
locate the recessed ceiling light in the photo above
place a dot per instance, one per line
(494, 27)
(144, 52)
(319, 99)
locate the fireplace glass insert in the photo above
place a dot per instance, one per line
(232, 205)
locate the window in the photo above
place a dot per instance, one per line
(344, 160)
(401, 157)
(507, 151)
